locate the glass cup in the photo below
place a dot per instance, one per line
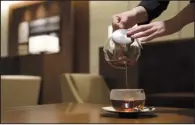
(127, 100)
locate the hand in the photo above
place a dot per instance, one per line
(153, 30)
(124, 20)
(128, 19)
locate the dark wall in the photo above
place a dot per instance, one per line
(10, 65)
(81, 33)
(166, 66)
(31, 64)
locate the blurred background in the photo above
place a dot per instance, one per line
(49, 38)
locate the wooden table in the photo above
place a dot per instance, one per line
(90, 113)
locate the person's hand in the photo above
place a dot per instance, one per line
(124, 20)
(128, 19)
(153, 30)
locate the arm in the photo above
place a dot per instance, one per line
(129, 18)
(162, 28)
(185, 16)
(154, 8)
(143, 13)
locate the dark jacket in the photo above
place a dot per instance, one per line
(154, 8)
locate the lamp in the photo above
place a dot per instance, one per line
(43, 43)
(109, 31)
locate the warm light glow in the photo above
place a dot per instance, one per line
(110, 34)
(109, 31)
(4, 25)
(43, 43)
(23, 32)
(6, 4)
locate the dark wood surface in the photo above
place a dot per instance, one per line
(175, 99)
(91, 113)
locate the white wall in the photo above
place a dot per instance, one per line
(100, 17)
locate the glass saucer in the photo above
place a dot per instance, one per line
(144, 110)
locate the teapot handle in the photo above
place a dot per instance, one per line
(139, 43)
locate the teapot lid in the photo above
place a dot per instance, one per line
(120, 36)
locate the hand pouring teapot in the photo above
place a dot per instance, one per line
(121, 51)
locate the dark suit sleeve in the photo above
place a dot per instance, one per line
(154, 8)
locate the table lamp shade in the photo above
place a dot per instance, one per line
(43, 43)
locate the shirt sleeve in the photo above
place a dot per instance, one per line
(154, 8)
